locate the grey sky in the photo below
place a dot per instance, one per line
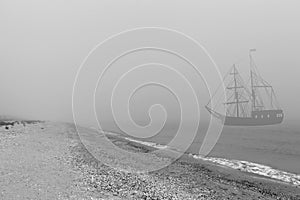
(42, 44)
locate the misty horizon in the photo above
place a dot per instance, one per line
(43, 45)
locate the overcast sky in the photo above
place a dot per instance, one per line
(43, 43)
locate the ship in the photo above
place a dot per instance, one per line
(252, 104)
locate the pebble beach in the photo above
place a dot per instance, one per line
(47, 160)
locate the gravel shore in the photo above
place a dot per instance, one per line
(46, 160)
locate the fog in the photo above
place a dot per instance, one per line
(43, 43)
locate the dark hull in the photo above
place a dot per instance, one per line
(259, 118)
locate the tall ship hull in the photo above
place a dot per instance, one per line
(260, 118)
(248, 107)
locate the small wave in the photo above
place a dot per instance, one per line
(244, 166)
(151, 144)
(254, 168)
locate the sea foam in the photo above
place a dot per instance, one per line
(254, 168)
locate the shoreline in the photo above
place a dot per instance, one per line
(263, 184)
(255, 169)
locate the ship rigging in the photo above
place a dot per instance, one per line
(255, 105)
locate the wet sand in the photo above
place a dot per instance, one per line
(46, 160)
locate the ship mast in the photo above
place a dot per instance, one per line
(237, 100)
(251, 78)
(236, 95)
